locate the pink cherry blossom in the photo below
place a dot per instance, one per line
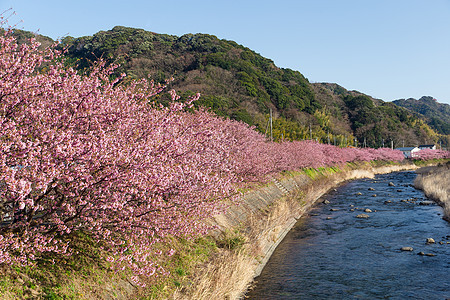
(84, 153)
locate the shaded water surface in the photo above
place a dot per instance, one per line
(332, 254)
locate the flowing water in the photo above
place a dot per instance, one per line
(333, 254)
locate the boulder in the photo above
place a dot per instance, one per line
(407, 249)
(430, 241)
(368, 210)
(391, 184)
(362, 216)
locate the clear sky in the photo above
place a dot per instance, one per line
(389, 49)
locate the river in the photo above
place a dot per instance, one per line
(333, 254)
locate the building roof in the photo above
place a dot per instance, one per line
(431, 145)
(406, 148)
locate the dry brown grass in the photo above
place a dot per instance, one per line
(435, 183)
(222, 278)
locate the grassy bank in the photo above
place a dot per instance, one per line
(435, 182)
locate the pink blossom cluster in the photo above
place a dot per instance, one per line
(427, 154)
(83, 152)
(301, 154)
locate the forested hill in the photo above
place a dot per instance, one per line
(437, 114)
(237, 82)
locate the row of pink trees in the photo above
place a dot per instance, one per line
(82, 152)
(427, 154)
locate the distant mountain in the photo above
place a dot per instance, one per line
(437, 114)
(375, 121)
(238, 83)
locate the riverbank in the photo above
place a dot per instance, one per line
(260, 223)
(219, 266)
(435, 182)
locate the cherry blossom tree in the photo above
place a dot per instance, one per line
(427, 154)
(84, 152)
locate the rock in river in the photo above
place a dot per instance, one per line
(407, 249)
(368, 210)
(426, 254)
(362, 216)
(430, 241)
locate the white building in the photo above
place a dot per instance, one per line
(409, 152)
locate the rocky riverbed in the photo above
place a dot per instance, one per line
(353, 245)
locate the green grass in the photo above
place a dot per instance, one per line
(314, 173)
(232, 240)
(423, 163)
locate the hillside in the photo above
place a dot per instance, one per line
(437, 114)
(237, 82)
(376, 121)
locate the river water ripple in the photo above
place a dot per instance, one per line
(332, 254)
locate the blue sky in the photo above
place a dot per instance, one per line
(389, 49)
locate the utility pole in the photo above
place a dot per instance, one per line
(310, 132)
(383, 142)
(271, 127)
(328, 137)
(392, 144)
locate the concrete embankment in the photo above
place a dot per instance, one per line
(262, 219)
